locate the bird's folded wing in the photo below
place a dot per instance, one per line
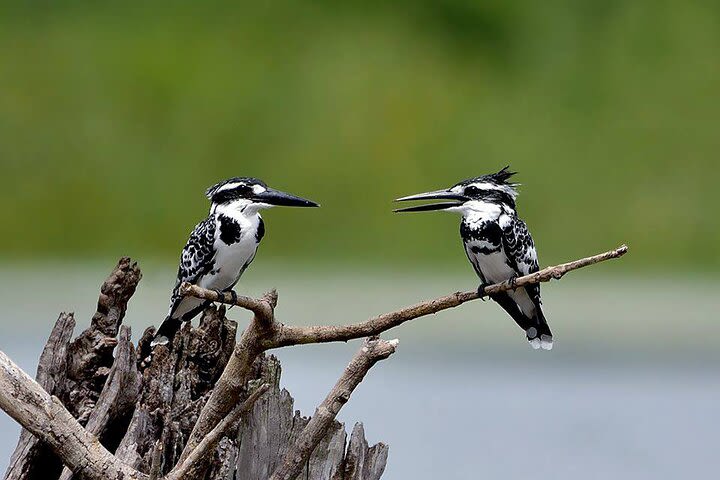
(197, 258)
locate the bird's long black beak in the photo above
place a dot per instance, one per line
(276, 197)
(436, 195)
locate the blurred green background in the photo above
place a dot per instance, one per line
(115, 118)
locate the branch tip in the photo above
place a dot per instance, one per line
(271, 298)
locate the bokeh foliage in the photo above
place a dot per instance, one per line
(115, 117)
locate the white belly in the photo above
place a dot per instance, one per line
(230, 262)
(495, 269)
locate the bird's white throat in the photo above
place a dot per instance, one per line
(240, 209)
(478, 211)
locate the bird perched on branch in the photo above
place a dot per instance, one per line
(497, 243)
(222, 246)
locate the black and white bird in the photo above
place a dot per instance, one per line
(223, 245)
(497, 243)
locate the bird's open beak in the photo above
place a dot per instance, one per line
(436, 195)
(276, 197)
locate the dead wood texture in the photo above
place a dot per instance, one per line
(206, 407)
(46, 417)
(373, 350)
(108, 415)
(77, 371)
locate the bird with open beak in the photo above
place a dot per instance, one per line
(497, 243)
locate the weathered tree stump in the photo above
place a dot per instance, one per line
(143, 404)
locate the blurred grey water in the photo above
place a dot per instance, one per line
(630, 390)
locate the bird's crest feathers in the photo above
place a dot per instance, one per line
(502, 177)
(494, 181)
(498, 178)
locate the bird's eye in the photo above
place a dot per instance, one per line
(472, 190)
(244, 189)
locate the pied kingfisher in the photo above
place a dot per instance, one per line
(497, 243)
(222, 246)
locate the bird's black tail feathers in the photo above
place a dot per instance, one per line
(167, 331)
(536, 328)
(539, 334)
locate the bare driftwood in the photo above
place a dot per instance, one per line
(31, 458)
(47, 418)
(138, 419)
(205, 407)
(76, 371)
(108, 419)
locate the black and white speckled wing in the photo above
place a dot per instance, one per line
(521, 253)
(196, 259)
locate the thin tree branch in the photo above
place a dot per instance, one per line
(189, 468)
(293, 335)
(265, 333)
(46, 418)
(285, 335)
(373, 350)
